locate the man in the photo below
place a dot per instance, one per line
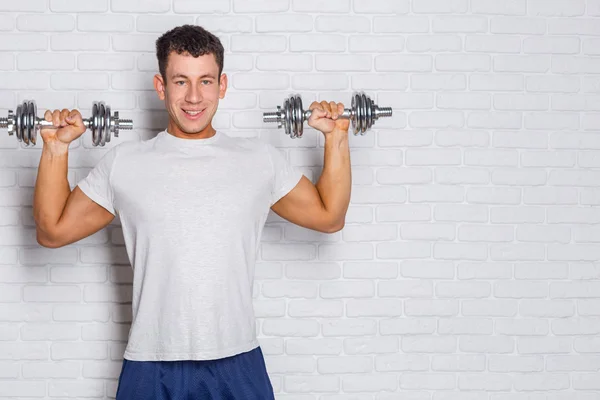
(192, 203)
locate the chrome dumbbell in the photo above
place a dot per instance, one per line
(363, 114)
(26, 124)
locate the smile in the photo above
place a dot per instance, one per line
(193, 114)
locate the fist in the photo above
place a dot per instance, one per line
(69, 126)
(325, 117)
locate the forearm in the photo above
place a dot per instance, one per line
(336, 179)
(52, 188)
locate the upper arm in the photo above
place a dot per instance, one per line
(303, 206)
(90, 206)
(81, 218)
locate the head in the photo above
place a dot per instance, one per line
(191, 79)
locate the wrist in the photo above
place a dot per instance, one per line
(56, 148)
(336, 136)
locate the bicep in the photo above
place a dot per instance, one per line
(303, 206)
(81, 218)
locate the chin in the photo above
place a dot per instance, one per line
(190, 129)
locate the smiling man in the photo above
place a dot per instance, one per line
(192, 202)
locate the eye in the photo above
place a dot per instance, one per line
(178, 82)
(206, 82)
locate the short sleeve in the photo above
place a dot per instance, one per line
(285, 176)
(97, 184)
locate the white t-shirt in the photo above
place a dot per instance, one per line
(192, 214)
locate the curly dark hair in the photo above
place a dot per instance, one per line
(191, 39)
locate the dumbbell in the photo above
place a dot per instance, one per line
(363, 114)
(26, 124)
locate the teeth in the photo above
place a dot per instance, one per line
(193, 112)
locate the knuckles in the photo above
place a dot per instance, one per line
(326, 105)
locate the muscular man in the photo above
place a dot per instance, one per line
(192, 202)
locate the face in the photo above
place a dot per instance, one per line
(191, 91)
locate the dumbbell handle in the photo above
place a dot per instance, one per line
(347, 114)
(125, 124)
(274, 116)
(87, 122)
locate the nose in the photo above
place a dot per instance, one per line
(193, 95)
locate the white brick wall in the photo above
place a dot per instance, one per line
(469, 265)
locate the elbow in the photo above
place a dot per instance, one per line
(334, 227)
(46, 240)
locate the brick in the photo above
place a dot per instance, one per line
(378, 44)
(547, 45)
(317, 43)
(45, 61)
(45, 23)
(317, 6)
(24, 42)
(404, 63)
(437, 7)
(202, 6)
(401, 25)
(433, 43)
(260, 6)
(23, 6)
(80, 42)
(556, 8)
(572, 26)
(518, 25)
(326, 23)
(76, 6)
(493, 44)
(161, 23)
(508, 7)
(105, 23)
(381, 6)
(140, 6)
(283, 23)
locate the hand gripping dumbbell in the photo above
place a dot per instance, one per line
(363, 114)
(26, 124)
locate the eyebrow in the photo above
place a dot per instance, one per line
(185, 77)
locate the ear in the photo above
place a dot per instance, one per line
(222, 86)
(159, 86)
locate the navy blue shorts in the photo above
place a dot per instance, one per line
(242, 376)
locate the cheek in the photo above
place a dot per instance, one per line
(211, 94)
(175, 98)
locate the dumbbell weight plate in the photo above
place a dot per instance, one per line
(360, 115)
(292, 116)
(101, 114)
(363, 114)
(19, 123)
(298, 117)
(369, 109)
(353, 116)
(31, 125)
(107, 125)
(24, 122)
(28, 122)
(288, 117)
(114, 125)
(95, 124)
(102, 126)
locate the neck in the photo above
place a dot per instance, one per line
(174, 130)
